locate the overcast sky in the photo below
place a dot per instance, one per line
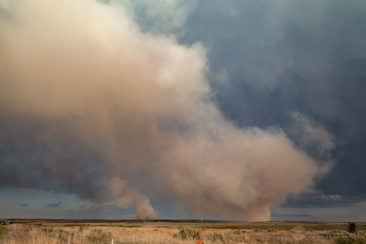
(298, 67)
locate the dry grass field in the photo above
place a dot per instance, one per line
(60, 232)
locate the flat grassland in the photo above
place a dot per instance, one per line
(100, 232)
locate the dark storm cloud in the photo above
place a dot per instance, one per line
(54, 205)
(323, 201)
(24, 205)
(270, 59)
(279, 216)
(92, 210)
(104, 212)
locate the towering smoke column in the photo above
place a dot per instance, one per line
(91, 105)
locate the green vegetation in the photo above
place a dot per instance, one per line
(99, 237)
(217, 237)
(338, 234)
(62, 236)
(351, 227)
(46, 229)
(26, 228)
(350, 237)
(3, 231)
(350, 240)
(237, 232)
(186, 234)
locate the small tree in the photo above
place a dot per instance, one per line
(351, 227)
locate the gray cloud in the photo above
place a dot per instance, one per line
(24, 205)
(54, 205)
(323, 201)
(314, 138)
(159, 16)
(106, 211)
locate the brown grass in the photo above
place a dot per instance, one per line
(94, 233)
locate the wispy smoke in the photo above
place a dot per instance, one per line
(311, 136)
(161, 16)
(93, 106)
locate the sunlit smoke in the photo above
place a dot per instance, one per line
(115, 115)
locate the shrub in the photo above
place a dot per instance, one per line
(217, 237)
(99, 237)
(3, 231)
(350, 240)
(26, 228)
(186, 234)
(361, 234)
(237, 232)
(47, 229)
(351, 227)
(62, 236)
(5, 222)
(339, 234)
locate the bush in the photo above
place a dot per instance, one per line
(47, 229)
(186, 234)
(339, 234)
(5, 222)
(350, 240)
(351, 227)
(26, 228)
(237, 232)
(99, 237)
(62, 236)
(3, 231)
(217, 237)
(361, 234)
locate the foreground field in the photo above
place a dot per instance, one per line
(59, 232)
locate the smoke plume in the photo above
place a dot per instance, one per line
(91, 105)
